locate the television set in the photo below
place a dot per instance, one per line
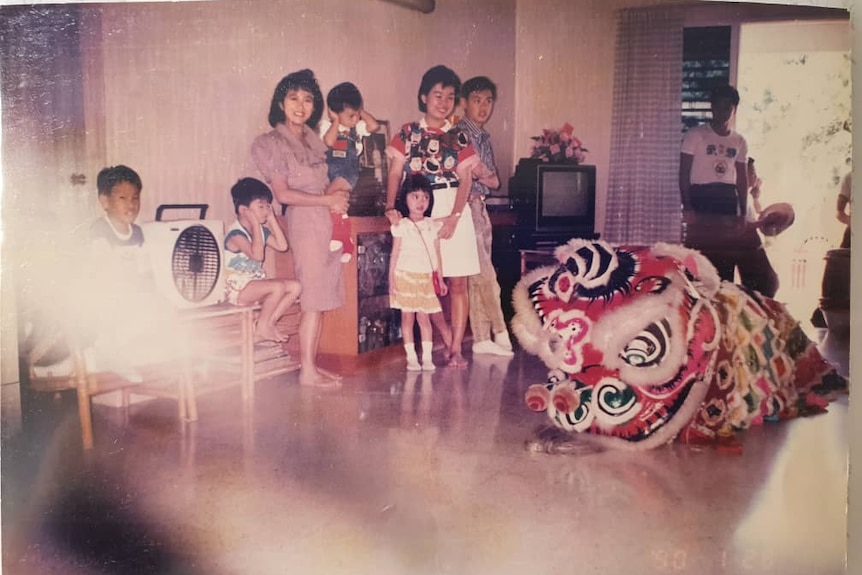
(554, 202)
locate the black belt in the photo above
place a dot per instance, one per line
(715, 198)
(442, 185)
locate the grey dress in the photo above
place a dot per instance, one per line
(309, 228)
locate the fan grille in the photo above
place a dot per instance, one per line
(196, 263)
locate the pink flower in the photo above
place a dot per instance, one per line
(558, 146)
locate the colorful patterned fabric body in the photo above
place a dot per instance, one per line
(646, 345)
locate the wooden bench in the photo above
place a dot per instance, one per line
(161, 380)
(227, 335)
(231, 327)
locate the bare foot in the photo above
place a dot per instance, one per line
(318, 380)
(329, 374)
(457, 361)
(268, 333)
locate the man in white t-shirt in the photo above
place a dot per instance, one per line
(713, 185)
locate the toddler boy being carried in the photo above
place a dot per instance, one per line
(348, 123)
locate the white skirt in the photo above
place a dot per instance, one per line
(459, 254)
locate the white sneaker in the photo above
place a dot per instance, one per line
(428, 365)
(502, 339)
(490, 348)
(413, 364)
(345, 258)
(335, 245)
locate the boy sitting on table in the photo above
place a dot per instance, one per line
(245, 247)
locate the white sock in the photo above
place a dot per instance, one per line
(411, 352)
(427, 348)
(412, 360)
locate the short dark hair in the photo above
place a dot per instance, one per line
(414, 183)
(113, 175)
(344, 95)
(247, 190)
(301, 80)
(725, 92)
(437, 75)
(478, 84)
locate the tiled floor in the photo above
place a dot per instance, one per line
(406, 473)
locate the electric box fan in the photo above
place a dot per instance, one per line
(186, 257)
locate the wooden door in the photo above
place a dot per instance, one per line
(47, 155)
(44, 133)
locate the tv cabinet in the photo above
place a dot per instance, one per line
(529, 240)
(553, 203)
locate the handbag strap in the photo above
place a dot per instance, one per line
(427, 251)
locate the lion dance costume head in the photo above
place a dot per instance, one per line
(646, 345)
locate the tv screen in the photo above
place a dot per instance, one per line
(565, 197)
(565, 193)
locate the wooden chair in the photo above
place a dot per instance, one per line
(173, 381)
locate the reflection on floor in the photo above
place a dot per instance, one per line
(410, 473)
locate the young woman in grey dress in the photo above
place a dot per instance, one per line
(292, 160)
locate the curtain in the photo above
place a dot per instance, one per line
(643, 203)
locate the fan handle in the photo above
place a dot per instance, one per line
(202, 207)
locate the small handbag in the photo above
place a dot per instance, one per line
(436, 278)
(438, 282)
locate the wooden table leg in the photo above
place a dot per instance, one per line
(191, 401)
(248, 354)
(85, 414)
(182, 399)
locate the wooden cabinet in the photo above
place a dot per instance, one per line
(364, 331)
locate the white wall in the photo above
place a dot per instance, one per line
(565, 73)
(188, 85)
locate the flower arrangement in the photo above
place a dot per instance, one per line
(558, 146)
